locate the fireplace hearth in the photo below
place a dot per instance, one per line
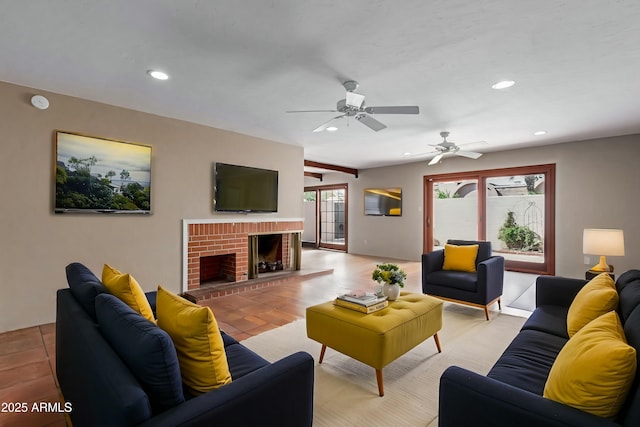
(219, 252)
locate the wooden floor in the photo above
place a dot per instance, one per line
(27, 356)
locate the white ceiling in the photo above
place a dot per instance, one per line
(239, 65)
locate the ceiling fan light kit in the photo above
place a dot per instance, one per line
(503, 84)
(353, 106)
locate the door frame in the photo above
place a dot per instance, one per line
(318, 189)
(549, 170)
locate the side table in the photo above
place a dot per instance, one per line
(590, 274)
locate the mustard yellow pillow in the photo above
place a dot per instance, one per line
(595, 369)
(460, 258)
(596, 298)
(125, 287)
(195, 334)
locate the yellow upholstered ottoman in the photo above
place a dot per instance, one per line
(378, 338)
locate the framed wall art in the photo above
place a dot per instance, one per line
(98, 175)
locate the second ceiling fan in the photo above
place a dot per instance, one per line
(353, 106)
(448, 147)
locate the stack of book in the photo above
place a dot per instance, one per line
(366, 303)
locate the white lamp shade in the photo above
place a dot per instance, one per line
(598, 241)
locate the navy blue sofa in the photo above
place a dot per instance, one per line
(107, 356)
(511, 393)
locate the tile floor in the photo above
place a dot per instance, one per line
(27, 356)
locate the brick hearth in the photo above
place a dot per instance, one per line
(207, 238)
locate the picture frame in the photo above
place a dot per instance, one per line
(100, 175)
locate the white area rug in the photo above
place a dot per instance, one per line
(346, 392)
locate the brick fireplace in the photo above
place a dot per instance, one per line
(222, 250)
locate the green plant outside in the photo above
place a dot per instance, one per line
(519, 237)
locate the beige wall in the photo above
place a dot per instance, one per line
(37, 244)
(597, 186)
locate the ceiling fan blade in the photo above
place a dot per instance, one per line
(312, 111)
(469, 154)
(474, 142)
(370, 122)
(408, 109)
(436, 159)
(354, 99)
(427, 153)
(327, 123)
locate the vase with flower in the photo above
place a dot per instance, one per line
(392, 279)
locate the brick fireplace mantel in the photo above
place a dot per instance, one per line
(212, 237)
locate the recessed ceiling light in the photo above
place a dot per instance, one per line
(408, 153)
(332, 128)
(158, 74)
(503, 84)
(540, 132)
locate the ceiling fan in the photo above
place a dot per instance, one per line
(353, 106)
(447, 147)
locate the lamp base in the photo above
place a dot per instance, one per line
(602, 266)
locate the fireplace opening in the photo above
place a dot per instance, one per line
(217, 269)
(270, 253)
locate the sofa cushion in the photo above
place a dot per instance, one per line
(198, 342)
(125, 287)
(631, 410)
(626, 278)
(228, 339)
(526, 362)
(242, 361)
(629, 299)
(595, 370)
(551, 319)
(146, 350)
(460, 258)
(85, 286)
(597, 297)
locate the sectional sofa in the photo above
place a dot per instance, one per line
(513, 392)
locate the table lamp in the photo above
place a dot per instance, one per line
(602, 242)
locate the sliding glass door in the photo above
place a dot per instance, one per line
(514, 208)
(331, 211)
(454, 198)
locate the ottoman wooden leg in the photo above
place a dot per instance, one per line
(380, 383)
(324, 348)
(437, 340)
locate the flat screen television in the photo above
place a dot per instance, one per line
(97, 175)
(383, 201)
(244, 189)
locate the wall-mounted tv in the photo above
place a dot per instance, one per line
(97, 175)
(383, 201)
(244, 189)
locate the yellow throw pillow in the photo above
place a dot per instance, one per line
(596, 298)
(460, 258)
(125, 287)
(595, 369)
(194, 331)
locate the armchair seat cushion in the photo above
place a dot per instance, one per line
(462, 280)
(526, 363)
